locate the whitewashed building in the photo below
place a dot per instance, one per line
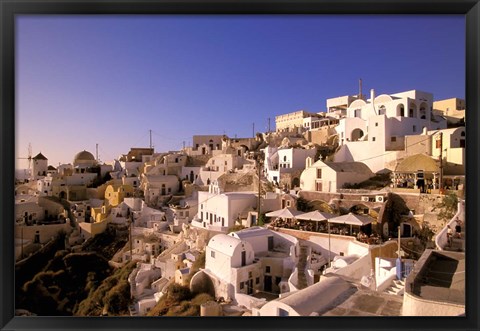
(372, 128)
(280, 162)
(332, 176)
(242, 263)
(219, 211)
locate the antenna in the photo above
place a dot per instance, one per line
(360, 88)
(150, 138)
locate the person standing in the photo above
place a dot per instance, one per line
(449, 235)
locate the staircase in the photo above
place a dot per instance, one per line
(397, 287)
(301, 266)
(458, 245)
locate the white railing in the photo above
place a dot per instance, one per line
(441, 239)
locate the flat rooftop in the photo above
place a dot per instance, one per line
(441, 278)
(365, 302)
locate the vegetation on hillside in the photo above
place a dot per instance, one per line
(448, 206)
(53, 282)
(106, 243)
(179, 301)
(304, 205)
(377, 182)
(111, 297)
(57, 289)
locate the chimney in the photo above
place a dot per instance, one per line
(372, 95)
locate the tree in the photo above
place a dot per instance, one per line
(304, 205)
(448, 206)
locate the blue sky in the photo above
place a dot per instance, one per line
(82, 80)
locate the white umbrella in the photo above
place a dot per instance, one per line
(315, 216)
(351, 219)
(284, 213)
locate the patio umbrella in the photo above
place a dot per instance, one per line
(284, 213)
(316, 216)
(351, 219)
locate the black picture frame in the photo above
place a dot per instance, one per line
(11, 8)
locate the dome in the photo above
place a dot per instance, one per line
(84, 156)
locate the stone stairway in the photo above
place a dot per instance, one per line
(397, 287)
(458, 245)
(301, 266)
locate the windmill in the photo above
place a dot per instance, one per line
(29, 158)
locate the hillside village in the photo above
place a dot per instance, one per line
(355, 210)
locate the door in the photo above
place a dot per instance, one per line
(270, 243)
(250, 286)
(267, 284)
(244, 258)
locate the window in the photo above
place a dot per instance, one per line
(393, 139)
(373, 138)
(288, 203)
(267, 269)
(249, 274)
(319, 173)
(376, 123)
(257, 280)
(414, 128)
(212, 254)
(241, 285)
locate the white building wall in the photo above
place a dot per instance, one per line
(215, 208)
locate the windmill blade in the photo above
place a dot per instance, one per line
(29, 156)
